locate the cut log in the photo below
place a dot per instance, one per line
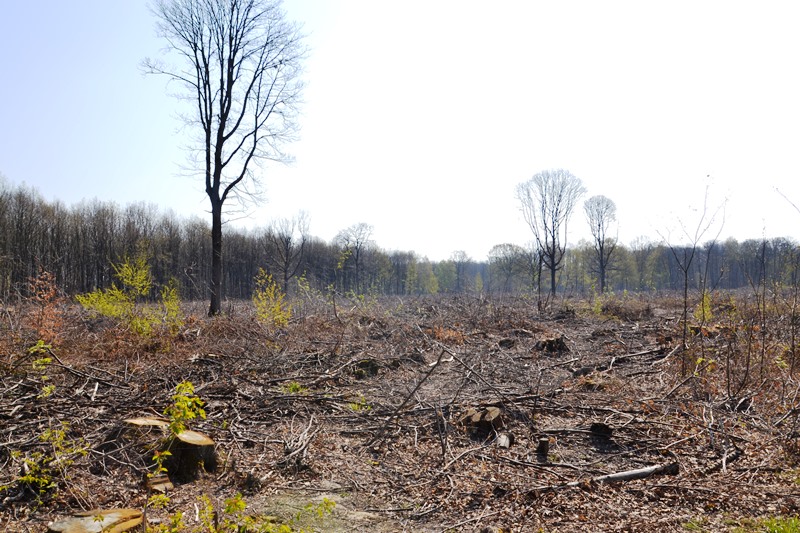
(147, 421)
(493, 417)
(160, 483)
(553, 345)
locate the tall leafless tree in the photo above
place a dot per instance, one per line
(461, 260)
(240, 65)
(285, 244)
(547, 201)
(601, 213)
(354, 241)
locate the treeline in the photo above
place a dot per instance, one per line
(79, 244)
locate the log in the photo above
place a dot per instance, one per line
(98, 520)
(628, 475)
(640, 473)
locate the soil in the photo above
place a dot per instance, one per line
(439, 414)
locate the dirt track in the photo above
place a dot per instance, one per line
(386, 405)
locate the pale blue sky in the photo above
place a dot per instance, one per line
(421, 116)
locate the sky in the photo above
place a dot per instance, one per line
(420, 117)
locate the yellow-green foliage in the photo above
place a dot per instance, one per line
(185, 407)
(702, 312)
(270, 302)
(40, 365)
(42, 470)
(120, 303)
(171, 304)
(135, 275)
(293, 387)
(360, 405)
(112, 302)
(776, 524)
(233, 518)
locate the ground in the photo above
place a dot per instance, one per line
(415, 414)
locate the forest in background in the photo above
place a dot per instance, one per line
(79, 244)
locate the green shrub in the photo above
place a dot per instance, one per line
(120, 304)
(270, 302)
(185, 407)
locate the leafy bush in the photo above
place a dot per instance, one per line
(185, 407)
(121, 303)
(270, 302)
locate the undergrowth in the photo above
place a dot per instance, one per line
(126, 305)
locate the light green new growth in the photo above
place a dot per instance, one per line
(171, 303)
(120, 303)
(43, 470)
(360, 405)
(233, 518)
(185, 407)
(270, 303)
(135, 275)
(293, 387)
(702, 312)
(41, 364)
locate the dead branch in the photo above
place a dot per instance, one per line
(379, 435)
(295, 448)
(628, 475)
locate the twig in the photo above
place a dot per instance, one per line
(618, 358)
(666, 357)
(462, 454)
(467, 521)
(295, 449)
(396, 413)
(500, 393)
(83, 374)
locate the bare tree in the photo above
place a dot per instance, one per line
(684, 257)
(601, 212)
(506, 263)
(461, 260)
(641, 249)
(240, 67)
(354, 242)
(285, 243)
(547, 201)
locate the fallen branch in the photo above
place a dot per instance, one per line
(628, 475)
(667, 357)
(296, 448)
(618, 358)
(379, 435)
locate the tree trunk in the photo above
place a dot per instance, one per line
(216, 258)
(602, 277)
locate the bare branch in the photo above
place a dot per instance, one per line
(241, 63)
